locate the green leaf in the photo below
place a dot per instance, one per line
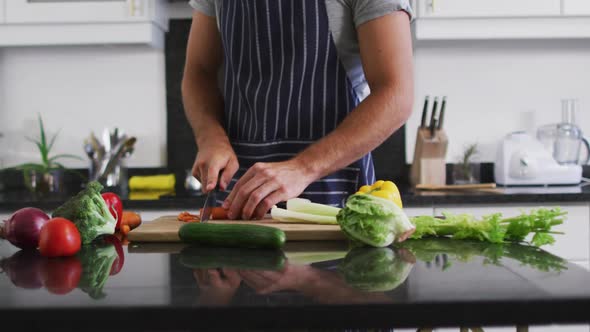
(52, 141)
(42, 129)
(65, 155)
(540, 239)
(31, 166)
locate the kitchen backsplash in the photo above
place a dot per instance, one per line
(492, 88)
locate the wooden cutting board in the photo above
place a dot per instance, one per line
(165, 229)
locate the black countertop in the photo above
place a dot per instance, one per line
(15, 199)
(313, 285)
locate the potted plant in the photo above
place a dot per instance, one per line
(467, 170)
(47, 175)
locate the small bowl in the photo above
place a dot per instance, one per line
(191, 183)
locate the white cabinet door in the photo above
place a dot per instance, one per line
(2, 4)
(88, 11)
(419, 211)
(573, 245)
(488, 8)
(576, 7)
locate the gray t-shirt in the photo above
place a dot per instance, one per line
(344, 16)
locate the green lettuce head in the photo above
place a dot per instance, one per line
(373, 221)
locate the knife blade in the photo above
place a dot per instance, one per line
(209, 204)
(441, 116)
(424, 111)
(433, 118)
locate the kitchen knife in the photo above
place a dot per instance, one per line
(441, 116)
(424, 111)
(210, 202)
(433, 118)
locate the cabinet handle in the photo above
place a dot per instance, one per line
(430, 6)
(135, 7)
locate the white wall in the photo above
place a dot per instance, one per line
(493, 88)
(490, 87)
(80, 89)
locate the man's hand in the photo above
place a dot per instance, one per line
(217, 287)
(293, 277)
(264, 185)
(213, 159)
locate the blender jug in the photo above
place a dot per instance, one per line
(565, 139)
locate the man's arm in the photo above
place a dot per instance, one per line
(203, 104)
(386, 53)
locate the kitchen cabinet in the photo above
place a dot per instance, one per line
(573, 245)
(442, 20)
(2, 4)
(487, 8)
(58, 11)
(55, 22)
(419, 211)
(576, 7)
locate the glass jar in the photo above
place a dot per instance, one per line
(568, 136)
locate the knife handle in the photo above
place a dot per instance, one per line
(441, 116)
(433, 114)
(424, 111)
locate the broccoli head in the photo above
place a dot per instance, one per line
(89, 212)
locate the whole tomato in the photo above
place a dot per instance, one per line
(59, 237)
(61, 274)
(115, 206)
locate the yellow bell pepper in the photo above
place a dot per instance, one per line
(377, 185)
(384, 189)
(365, 189)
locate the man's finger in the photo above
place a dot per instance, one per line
(212, 175)
(228, 173)
(244, 179)
(267, 203)
(215, 278)
(232, 276)
(242, 195)
(258, 197)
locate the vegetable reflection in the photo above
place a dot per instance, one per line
(88, 270)
(376, 269)
(224, 275)
(428, 250)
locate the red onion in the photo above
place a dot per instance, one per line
(23, 227)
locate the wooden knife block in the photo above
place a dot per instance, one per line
(429, 164)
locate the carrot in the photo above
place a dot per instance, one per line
(187, 217)
(217, 213)
(125, 229)
(131, 218)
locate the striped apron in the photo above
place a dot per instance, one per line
(285, 88)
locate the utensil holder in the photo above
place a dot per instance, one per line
(429, 164)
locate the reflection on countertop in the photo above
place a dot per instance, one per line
(252, 285)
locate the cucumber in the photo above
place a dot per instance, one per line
(232, 235)
(196, 257)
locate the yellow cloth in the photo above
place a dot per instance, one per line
(161, 182)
